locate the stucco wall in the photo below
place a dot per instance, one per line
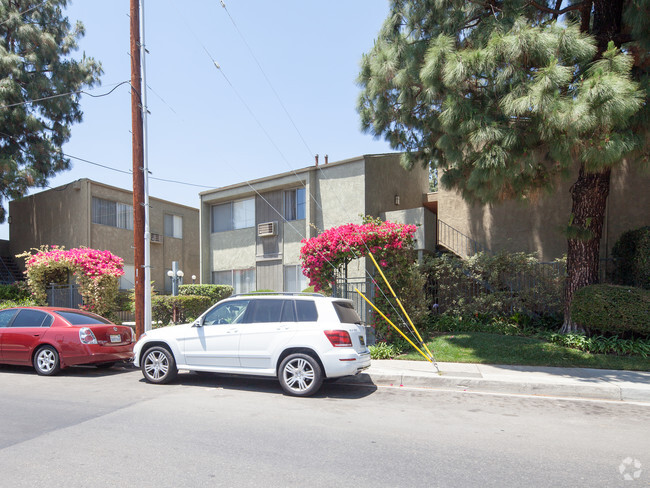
(386, 179)
(233, 249)
(57, 216)
(340, 190)
(537, 226)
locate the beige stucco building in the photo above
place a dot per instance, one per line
(91, 214)
(251, 232)
(535, 225)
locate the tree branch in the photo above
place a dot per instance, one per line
(555, 11)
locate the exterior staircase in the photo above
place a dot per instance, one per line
(9, 271)
(452, 240)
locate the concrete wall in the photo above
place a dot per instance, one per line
(58, 216)
(537, 226)
(386, 179)
(62, 216)
(425, 220)
(340, 190)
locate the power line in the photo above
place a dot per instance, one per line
(65, 95)
(268, 81)
(20, 14)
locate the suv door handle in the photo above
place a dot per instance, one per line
(232, 331)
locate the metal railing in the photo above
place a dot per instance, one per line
(457, 242)
(64, 296)
(343, 288)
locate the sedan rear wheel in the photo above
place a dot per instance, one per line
(46, 361)
(300, 375)
(158, 365)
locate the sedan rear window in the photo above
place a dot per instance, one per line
(80, 318)
(346, 312)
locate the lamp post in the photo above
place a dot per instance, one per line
(177, 277)
(193, 278)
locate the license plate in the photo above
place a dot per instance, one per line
(116, 338)
(362, 340)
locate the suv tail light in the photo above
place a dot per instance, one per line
(339, 338)
(86, 336)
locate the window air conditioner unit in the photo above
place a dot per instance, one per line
(267, 229)
(156, 238)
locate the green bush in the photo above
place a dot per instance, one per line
(214, 292)
(188, 308)
(601, 344)
(612, 309)
(15, 291)
(632, 256)
(383, 350)
(23, 302)
(497, 286)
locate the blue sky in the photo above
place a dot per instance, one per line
(214, 130)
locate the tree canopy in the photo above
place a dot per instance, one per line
(507, 96)
(40, 87)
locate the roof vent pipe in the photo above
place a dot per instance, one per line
(316, 158)
(326, 158)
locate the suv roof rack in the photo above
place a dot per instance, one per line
(284, 293)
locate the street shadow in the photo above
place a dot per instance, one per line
(330, 389)
(81, 371)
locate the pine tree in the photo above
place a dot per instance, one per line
(39, 92)
(509, 96)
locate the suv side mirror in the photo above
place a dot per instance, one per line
(197, 323)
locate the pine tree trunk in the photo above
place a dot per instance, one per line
(589, 194)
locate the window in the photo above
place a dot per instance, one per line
(226, 313)
(294, 204)
(173, 226)
(306, 310)
(294, 280)
(233, 215)
(80, 318)
(32, 318)
(242, 280)
(6, 316)
(114, 214)
(346, 313)
(266, 311)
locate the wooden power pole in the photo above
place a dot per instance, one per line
(138, 165)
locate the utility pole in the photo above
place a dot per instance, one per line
(138, 168)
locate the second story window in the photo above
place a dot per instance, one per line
(173, 226)
(294, 204)
(233, 215)
(114, 214)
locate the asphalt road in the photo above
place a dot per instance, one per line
(90, 428)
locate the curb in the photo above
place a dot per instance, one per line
(573, 389)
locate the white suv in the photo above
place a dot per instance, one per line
(300, 339)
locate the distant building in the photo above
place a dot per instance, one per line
(251, 232)
(91, 214)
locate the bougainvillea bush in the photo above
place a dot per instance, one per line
(391, 245)
(328, 253)
(96, 272)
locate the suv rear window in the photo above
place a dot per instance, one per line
(346, 312)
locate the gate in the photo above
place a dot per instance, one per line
(64, 296)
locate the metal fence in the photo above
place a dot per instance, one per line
(64, 296)
(345, 289)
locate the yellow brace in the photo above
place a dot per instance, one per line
(400, 306)
(394, 326)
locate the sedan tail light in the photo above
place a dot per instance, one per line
(86, 336)
(339, 338)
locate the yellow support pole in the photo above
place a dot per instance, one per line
(394, 326)
(400, 304)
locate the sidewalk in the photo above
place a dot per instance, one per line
(528, 380)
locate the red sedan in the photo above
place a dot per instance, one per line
(52, 338)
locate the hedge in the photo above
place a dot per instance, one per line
(214, 292)
(632, 255)
(188, 307)
(612, 309)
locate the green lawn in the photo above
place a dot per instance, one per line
(481, 347)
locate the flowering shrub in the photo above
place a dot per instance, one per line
(96, 272)
(391, 245)
(330, 251)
